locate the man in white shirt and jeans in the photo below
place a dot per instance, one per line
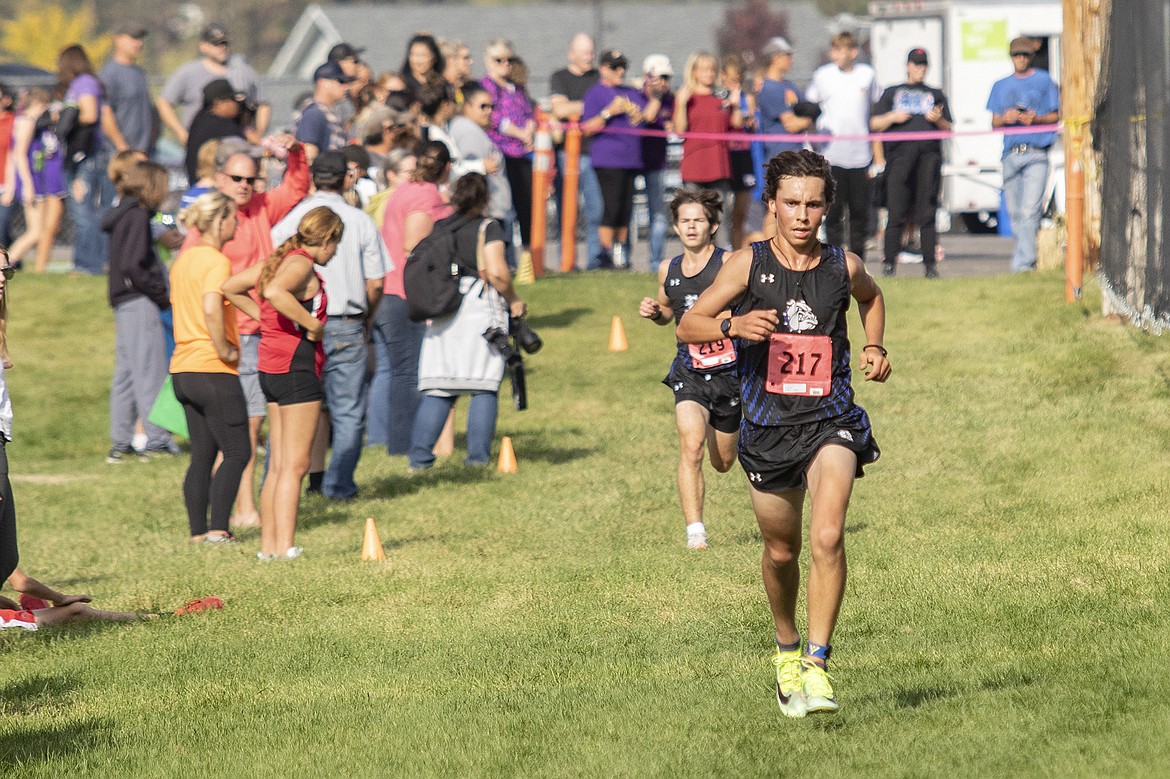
(845, 90)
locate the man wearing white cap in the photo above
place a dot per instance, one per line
(656, 70)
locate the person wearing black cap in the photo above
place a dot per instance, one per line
(128, 120)
(913, 168)
(182, 96)
(219, 118)
(1027, 97)
(617, 157)
(353, 280)
(318, 127)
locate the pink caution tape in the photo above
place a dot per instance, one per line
(926, 135)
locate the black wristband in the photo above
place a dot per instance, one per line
(879, 347)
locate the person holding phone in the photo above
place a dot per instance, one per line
(913, 168)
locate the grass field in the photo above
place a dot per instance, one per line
(1007, 612)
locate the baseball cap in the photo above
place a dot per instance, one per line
(1022, 45)
(329, 163)
(917, 56)
(220, 89)
(344, 51)
(657, 65)
(333, 72)
(214, 33)
(614, 59)
(132, 29)
(777, 45)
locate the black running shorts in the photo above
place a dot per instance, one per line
(717, 392)
(776, 459)
(288, 389)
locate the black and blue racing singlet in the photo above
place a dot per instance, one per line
(682, 291)
(802, 374)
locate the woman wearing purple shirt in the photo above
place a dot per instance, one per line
(90, 192)
(617, 157)
(512, 129)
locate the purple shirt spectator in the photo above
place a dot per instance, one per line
(609, 149)
(86, 84)
(513, 105)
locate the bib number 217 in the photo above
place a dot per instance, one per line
(800, 365)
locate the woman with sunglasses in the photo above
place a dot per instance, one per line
(513, 128)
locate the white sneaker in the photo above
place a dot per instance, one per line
(696, 540)
(293, 551)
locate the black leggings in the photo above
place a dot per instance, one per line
(617, 195)
(217, 420)
(8, 553)
(519, 172)
(853, 196)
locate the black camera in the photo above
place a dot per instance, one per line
(500, 341)
(526, 337)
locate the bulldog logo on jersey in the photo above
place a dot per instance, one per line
(798, 317)
(689, 300)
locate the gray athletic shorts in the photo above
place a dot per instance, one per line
(250, 375)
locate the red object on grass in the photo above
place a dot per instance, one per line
(32, 603)
(196, 605)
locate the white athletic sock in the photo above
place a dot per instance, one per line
(696, 529)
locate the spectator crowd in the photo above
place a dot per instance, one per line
(287, 301)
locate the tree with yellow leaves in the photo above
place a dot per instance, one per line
(38, 34)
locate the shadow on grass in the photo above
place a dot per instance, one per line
(559, 319)
(26, 747)
(913, 698)
(25, 696)
(407, 484)
(544, 446)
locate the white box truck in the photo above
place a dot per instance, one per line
(967, 44)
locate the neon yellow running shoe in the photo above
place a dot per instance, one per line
(818, 690)
(789, 687)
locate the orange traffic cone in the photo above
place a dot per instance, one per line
(507, 462)
(372, 544)
(617, 336)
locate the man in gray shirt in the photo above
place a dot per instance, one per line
(353, 279)
(128, 117)
(479, 154)
(182, 96)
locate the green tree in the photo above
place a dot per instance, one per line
(37, 34)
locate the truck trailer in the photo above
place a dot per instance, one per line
(967, 45)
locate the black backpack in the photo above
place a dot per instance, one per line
(431, 276)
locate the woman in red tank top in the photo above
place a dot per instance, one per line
(291, 313)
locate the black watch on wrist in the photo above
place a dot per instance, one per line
(725, 327)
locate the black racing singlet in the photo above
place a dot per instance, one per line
(682, 292)
(809, 303)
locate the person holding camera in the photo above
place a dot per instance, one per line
(457, 357)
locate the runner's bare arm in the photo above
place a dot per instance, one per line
(701, 324)
(871, 305)
(658, 310)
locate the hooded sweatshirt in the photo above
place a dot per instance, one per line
(135, 269)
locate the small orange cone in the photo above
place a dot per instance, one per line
(617, 336)
(372, 544)
(507, 457)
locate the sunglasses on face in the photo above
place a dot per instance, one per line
(487, 106)
(243, 179)
(8, 271)
(504, 60)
